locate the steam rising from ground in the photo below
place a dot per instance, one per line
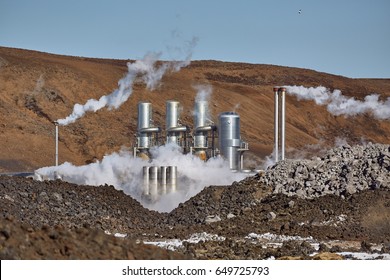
(338, 104)
(124, 172)
(145, 70)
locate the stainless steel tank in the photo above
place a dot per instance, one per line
(146, 131)
(174, 130)
(200, 121)
(229, 138)
(201, 112)
(172, 114)
(144, 114)
(144, 121)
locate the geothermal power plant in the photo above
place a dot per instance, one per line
(201, 142)
(203, 139)
(206, 140)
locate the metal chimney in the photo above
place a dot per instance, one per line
(203, 126)
(283, 119)
(280, 128)
(147, 135)
(175, 132)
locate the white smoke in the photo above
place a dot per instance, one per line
(203, 92)
(340, 142)
(124, 172)
(236, 107)
(269, 161)
(146, 70)
(338, 104)
(39, 85)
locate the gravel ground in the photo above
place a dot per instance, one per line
(274, 214)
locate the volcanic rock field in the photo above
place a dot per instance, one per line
(329, 199)
(274, 214)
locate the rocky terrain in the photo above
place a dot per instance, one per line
(38, 88)
(320, 203)
(269, 215)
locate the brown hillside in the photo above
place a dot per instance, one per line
(39, 88)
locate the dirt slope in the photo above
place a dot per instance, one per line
(38, 88)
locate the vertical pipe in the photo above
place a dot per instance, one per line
(283, 121)
(241, 161)
(56, 139)
(172, 178)
(163, 180)
(276, 124)
(145, 175)
(153, 182)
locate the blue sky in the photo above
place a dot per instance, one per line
(349, 38)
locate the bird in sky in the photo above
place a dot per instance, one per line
(300, 11)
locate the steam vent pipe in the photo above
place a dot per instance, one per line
(56, 139)
(174, 130)
(145, 125)
(283, 120)
(280, 128)
(276, 124)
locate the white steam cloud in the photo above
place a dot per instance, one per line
(124, 172)
(203, 92)
(338, 104)
(145, 70)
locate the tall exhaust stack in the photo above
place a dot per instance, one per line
(279, 128)
(147, 134)
(203, 126)
(175, 132)
(276, 124)
(283, 120)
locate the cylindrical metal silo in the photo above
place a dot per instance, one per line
(200, 120)
(144, 121)
(172, 113)
(229, 138)
(201, 109)
(172, 117)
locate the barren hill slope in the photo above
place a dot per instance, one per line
(39, 88)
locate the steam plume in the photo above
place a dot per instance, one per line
(124, 172)
(338, 104)
(145, 70)
(204, 94)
